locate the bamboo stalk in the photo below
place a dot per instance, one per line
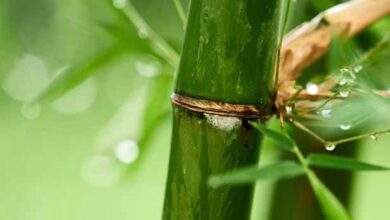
(228, 57)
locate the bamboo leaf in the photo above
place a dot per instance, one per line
(286, 169)
(74, 76)
(284, 141)
(330, 205)
(337, 162)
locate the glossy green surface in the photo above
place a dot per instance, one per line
(204, 145)
(228, 56)
(229, 51)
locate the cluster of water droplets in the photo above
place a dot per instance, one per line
(348, 76)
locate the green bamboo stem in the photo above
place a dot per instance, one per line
(228, 56)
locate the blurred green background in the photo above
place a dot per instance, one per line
(100, 151)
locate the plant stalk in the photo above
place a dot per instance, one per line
(228, 57)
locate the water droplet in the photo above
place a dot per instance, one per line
(289, 109)
(127, 151)
(330, 147)
(312, 88)
(119, 4)
(343, 81)
(147, 68)
(345, 71)
(101, 171)
(142, 33)
(345, 127)
(326, 113)
(344, 93)
(374, 137)
(357, 68)
(30, 111)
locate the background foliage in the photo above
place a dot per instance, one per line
(57, 158)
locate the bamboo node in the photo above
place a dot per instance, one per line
(219, 108)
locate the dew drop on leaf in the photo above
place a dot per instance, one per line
(326, 113)
(330, 147)
(343, 81)
(374, 137)
(345, 127)
(357, 68)
(344, 94)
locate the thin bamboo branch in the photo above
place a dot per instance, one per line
(307, 130)
(171, 56)
(180, 11)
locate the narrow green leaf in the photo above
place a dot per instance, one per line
(286, 169)
(330, 205)
(284, 141)
(77, 74)
(337, 162)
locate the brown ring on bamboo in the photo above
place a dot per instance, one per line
(218, 108)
